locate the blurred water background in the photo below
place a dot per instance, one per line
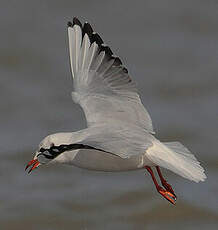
(171, 50)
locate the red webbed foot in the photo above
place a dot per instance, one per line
(168, 192)
(168, 187)
(167, 195)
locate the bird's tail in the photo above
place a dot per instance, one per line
(177, 158)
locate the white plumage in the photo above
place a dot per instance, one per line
(177, 158)
(108, 96)
(119, 135)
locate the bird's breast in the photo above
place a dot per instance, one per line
(102, 161)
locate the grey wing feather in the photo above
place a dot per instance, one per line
(102, 85)
(121, 142)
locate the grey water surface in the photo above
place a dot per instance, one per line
(170, 49)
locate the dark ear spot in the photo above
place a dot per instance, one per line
(52, 144)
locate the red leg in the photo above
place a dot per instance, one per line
(166, 194)
(164, 182)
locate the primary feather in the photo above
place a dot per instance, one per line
(102, 85)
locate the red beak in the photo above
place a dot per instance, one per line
(34, 163)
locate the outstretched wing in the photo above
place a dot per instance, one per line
(124, 143)
(102, 85)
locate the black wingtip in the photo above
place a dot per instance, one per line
(117, 61)
(106, 49)
(96, 38)
(87, 29)
(125, 70)
(76, 21)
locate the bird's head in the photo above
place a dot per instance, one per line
(49, 149)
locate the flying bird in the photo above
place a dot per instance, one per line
(119, 134)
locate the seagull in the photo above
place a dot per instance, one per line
(119, 134)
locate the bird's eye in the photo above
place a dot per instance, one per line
(41, 150)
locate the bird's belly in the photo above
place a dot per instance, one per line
(101, 161)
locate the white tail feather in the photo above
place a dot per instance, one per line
(177, 158)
